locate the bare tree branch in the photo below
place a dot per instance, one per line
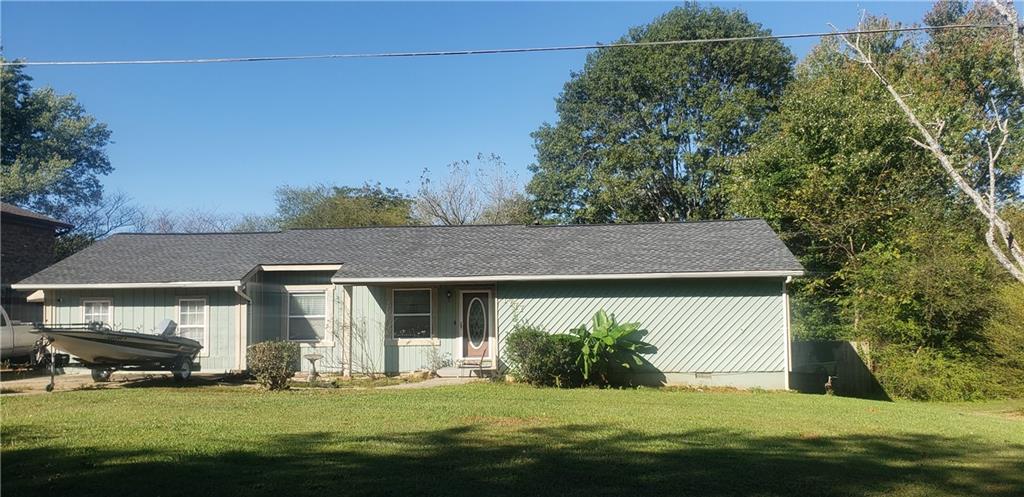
(1008, 248)
(488, 194)
(1009, 12)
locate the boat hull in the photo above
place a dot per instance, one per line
(118, 348)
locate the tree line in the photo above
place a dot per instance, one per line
(890, 164)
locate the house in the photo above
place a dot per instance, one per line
(711, 296)
(26, 247)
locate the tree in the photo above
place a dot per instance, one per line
(52, 152)
(488, 194)
(645, 134)
(189, 221)
(322, 206)
(834, 172)
(113, 213)
(989, 113)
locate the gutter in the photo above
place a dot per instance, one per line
(88, 286)
(573, 277)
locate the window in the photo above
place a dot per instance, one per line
(411, 313)
(307, 316)
(192, 319)
(96, 311)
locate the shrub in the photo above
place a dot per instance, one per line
(927, 374)
(564, 368)
(273, 363)
(608, 345)
(1003, 338)
(530, 353)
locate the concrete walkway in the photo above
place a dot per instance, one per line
(431, 383)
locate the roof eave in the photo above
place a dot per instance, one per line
(99, 286)
(573, 277)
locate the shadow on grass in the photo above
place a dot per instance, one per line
(472, 460)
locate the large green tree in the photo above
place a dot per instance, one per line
(896, 254)
(645, 133)
(322, 206)
(53, 152)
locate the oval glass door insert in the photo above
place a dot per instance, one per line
(476, 322)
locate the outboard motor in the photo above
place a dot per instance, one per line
(166, 328)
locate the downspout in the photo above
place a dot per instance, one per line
(242, 332)
(786, 325)
(240, 290)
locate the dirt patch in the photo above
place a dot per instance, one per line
(79, 381)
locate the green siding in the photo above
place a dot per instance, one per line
(372, 347)
(142, 309)
(712, 326)
(269, 321)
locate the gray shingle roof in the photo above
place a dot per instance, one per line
(433, 252)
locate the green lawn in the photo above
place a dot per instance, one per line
(488, 439)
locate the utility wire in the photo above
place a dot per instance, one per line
(444, 53)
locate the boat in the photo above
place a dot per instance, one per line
(104, 350)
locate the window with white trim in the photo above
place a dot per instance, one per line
(411, 314)
(307, 316)
(192, 319)
(96, 311)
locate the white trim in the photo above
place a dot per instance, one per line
(205, 351)
(36, 297)
(788, 332)
(492, 318)
(572, 277)
(391, 339)
(86, 286)
(300, 267)
(346, 330)
(241, 331)
(110, 308)
(328, 293)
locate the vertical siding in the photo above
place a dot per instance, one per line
(142, 309)
(368, 324)
(372, 346)
(697, 325)
(267, 291)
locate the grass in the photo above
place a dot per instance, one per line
(492, 439)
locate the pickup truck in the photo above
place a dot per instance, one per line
(16, 341)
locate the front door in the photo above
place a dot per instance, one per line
(476, 325)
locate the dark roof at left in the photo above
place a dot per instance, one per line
(27, 215)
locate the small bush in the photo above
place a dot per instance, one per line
(565, 371)
(926, 374)
(273, 363)
(530, 353)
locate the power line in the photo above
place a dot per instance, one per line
(491, 51)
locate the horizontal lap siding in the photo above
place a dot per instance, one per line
(713, 326)
(142, 309)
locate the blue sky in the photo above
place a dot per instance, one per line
(221, 137)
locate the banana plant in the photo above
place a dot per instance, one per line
(606, 344)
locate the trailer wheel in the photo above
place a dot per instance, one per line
(182, 369)
(101, 375)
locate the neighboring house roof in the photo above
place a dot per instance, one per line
(8, 210)
(425, 253)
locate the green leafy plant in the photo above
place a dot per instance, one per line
(607, 345)
(529, 352)
(272, 363)
(544, 359)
